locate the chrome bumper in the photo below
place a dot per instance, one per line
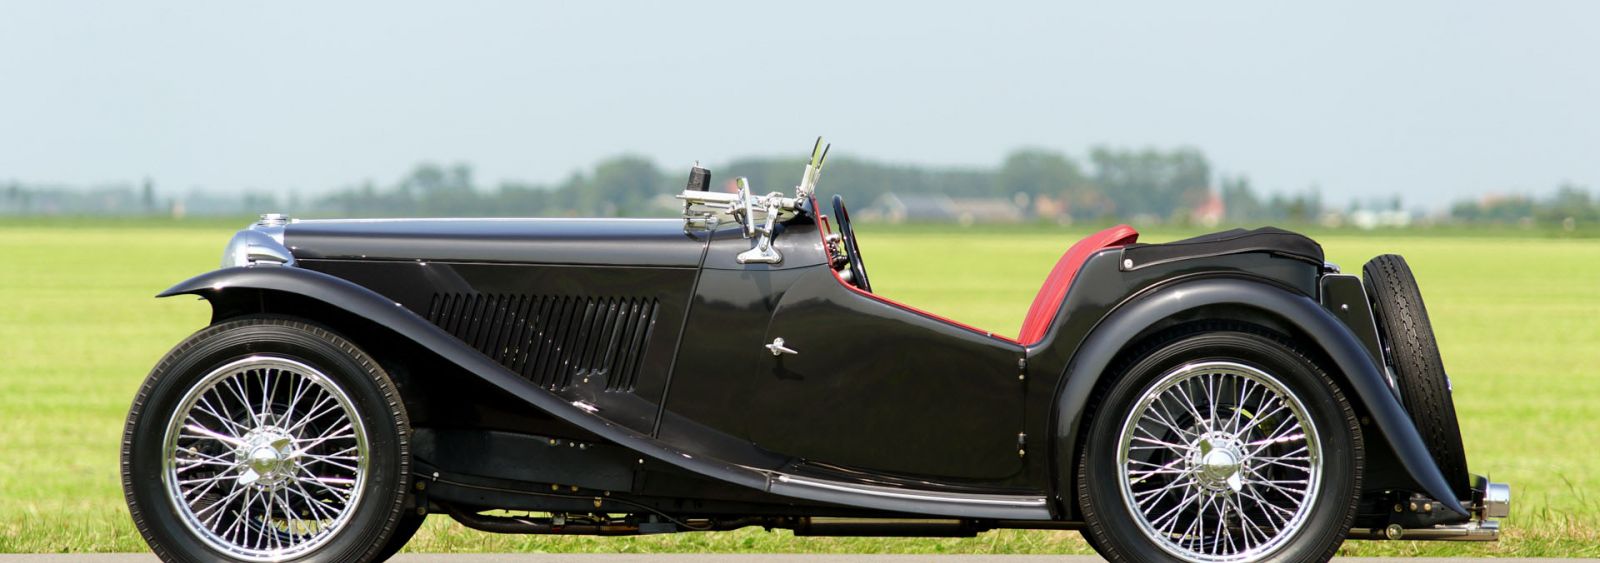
(1491, 502)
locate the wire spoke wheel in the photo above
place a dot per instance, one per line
(1219, 461)
(265, 459)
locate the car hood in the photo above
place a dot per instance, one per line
(625, 242)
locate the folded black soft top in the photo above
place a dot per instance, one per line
(1265, 239)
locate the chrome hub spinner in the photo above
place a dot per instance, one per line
(1217, 460)
(266, 458)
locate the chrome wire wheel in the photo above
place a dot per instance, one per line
(1219, 462)
(265, 459)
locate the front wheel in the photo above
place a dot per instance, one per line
(1222, 445)
(266, 439)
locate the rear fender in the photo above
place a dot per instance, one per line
(1350, 358)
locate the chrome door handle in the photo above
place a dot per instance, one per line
(778, 349)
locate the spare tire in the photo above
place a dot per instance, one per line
(1413, 354)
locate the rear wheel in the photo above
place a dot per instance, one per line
(1221, 446)
(266, 440)
(1412, 353)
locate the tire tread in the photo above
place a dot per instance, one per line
(1424, 385)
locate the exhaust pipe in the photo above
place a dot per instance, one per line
(1471, 531)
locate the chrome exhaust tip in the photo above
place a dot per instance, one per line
(1496, 500)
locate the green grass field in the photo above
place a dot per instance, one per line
(1518, 319)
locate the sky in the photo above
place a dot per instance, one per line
(1435, 101)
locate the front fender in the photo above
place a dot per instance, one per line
(1128, 321)
(368, 304)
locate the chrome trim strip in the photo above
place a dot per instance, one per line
(493, 220)
(922, 496)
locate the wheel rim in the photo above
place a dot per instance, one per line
(265, 459)
(1219, 461)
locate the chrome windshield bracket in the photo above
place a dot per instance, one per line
(758, 216)
(763, 253)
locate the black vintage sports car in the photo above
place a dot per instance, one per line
(1230, 397)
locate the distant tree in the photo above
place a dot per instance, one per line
(521, 200)
(1038, 172)
(1299, 208)
(1495, 209)
(1240, 200)
(440, 191)
(622, 185)
(1151, 181)
(860, 182)
(1570, 201)
(148, 196)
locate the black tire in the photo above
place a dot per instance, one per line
(1150, 380)
(410, 522)
(1410, 349)
(289, 445)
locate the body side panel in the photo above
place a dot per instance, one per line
(602, 335)
(393, 316)
(881, 388)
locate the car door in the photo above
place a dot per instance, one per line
(877, 386)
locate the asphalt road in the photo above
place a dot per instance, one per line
(697, 558)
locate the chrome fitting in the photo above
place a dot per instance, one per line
(260, 243)
(1496, 500)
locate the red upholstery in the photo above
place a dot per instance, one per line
(1048, 302)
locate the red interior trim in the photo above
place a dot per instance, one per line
(1048, 302)
(825, 228)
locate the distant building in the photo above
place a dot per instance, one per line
(936, 208)
(1052, 208)
(1367, 220)
(896, 208)
(1210, 211)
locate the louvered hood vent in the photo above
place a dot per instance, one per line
(552, 340)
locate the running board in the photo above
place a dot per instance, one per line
(896, 499)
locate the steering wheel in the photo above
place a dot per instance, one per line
(858, 272)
